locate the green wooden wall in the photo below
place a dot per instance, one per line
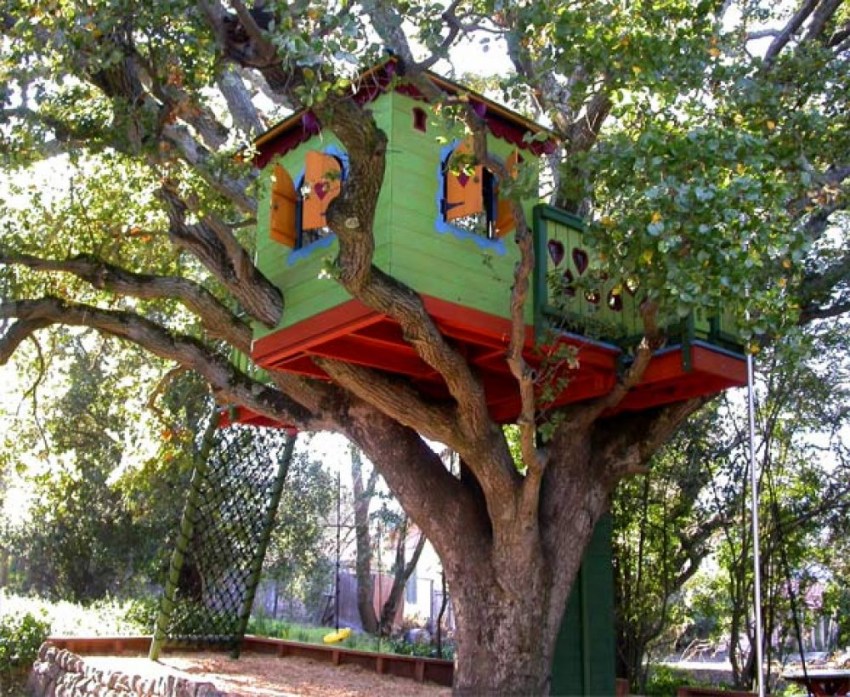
(584, 654)
(463, 269)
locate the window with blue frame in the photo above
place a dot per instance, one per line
(469, 203)
(299, 211)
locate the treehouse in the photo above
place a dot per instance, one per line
(444, 227)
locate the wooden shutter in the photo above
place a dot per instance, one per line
(464, 190)
(323, 176)
(284, 205)
(505, 221)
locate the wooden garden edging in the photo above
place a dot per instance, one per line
(710, 692)
(414, 667)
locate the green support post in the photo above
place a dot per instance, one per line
(260, 553)
(184, 538)
(584, 663)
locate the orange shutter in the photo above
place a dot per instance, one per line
(323, 176)
(282, 225)
(464, 190)
(505, 222)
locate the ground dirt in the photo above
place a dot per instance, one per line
(271, 676)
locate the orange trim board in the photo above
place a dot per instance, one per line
(243, 415)
(337, 321)
(731, 368)
(455, 321)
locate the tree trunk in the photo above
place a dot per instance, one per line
(401, 574)
(363, 538)
(518, 628)
(4, 568)
(509, 614)
(502, 647)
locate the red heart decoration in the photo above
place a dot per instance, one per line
(580, 260)
(556, 251)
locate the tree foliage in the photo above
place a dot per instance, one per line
(100, 503)
(712, 169)
(299, 556)
(695, 503)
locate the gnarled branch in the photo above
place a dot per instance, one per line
(228, 383)
(218, 321)
(396, 398)
(211, 241)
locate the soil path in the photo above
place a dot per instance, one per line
(270, 676)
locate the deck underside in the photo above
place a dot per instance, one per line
(356, 334)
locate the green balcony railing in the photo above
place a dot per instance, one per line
(571, 292)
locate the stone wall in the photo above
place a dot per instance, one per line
(60, 673)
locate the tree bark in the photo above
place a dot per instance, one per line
(402, 572)
(363, 538)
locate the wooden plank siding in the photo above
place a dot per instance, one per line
(440, 264)
(408, 245)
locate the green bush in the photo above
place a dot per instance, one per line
(407, 648)
(265, 626)
(20, 639)
(142, 613)
(664, 681)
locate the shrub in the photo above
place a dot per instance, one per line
(142, 613)
(20, 639)
(665, 681)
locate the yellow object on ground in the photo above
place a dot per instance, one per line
(335, 637)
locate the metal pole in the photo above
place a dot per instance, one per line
(754, 496)
(338, 526)
(380, 587)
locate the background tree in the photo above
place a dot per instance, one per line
(299, 557)
(79, 540)
(363, 491)
(395, 527)
(149, 244)
(801, 409)
(695, 503)
(95, 474)
(662, 533)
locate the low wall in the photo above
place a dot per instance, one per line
(60, 673)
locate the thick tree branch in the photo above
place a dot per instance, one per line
(351, 216)
(218, 321)
(585, 414)
(789, 30)
(583, 133)
(215, 247)
(810, 313)
(443, 508)
(17, 333)
(622, 445)
(824, 13)
(242, 109)
(526, 377)
(244, 42)
(387, 22)
(228, 383)
(201, 161)
(396, 398)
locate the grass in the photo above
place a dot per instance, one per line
(263, 626)
(112, 617)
